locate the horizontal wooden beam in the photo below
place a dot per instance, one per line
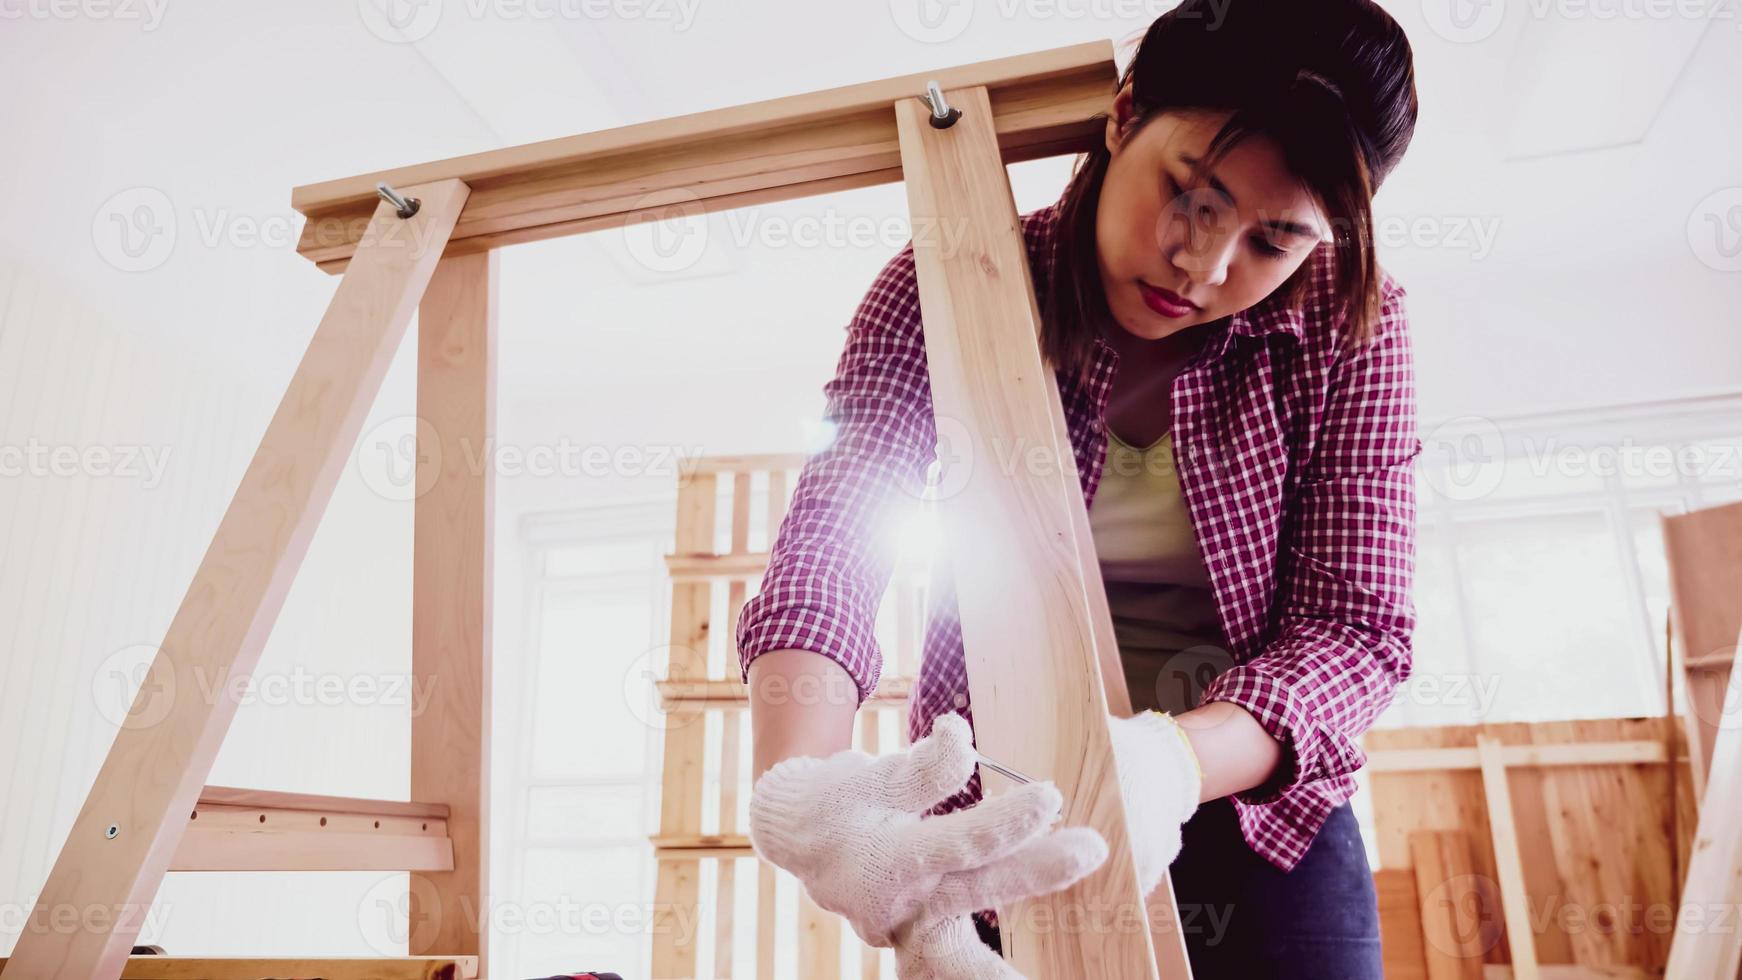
(732, 693)
(756, 463)
(694, 568)
(1044, 104)
(331, 968)
(273, 799)
(1568, 754)
(692, 846)
(260, 830)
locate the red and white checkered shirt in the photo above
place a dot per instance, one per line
(1296, 461)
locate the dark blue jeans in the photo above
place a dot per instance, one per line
(1246, 920)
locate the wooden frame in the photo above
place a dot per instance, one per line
(1521, 837)
(980, 322)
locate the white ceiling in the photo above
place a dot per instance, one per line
(1550, 208)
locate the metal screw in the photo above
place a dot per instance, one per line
(1001, 769)
(407, 205)
(943, 116)
(113, 832)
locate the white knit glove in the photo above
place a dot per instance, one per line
(949, 948)
(1160, 780)
(849, 828)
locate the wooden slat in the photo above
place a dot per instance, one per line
(1518, 756)
(731, 693)
(1034, 648)
(266, 799)
(159, 760)
(705, 567)
(1400, 936)
(245, 838)
(751, 463)
(1514, 902)
(678, 887)
(1711, 944)
(819, 941)
(331, 968)
(765, 920)
(802, 145)
(1703, 552)
(1454, 930)
(453, 541)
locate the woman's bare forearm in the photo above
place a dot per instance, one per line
(1235, 752)
(801, 703)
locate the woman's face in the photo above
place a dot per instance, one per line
(1218, 242)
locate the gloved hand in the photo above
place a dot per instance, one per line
(1160, 779)
(849, 828)
(949, 948)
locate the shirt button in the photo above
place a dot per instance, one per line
(961, 700)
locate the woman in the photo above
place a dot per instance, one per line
(1236, 375)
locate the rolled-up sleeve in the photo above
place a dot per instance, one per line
(1346, 612)
(835, 550)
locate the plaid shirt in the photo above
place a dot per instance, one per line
(1297, 465)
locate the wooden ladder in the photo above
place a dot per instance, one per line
(1042, 640)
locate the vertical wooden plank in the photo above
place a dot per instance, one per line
(1455, 930)
(1400, 926)
(725, 902)
(451, 595)
(679, 883)
(121, 843)
(819, 941)
(870, 737)
(1703, 549)
(1514, 901)
(1035, 647)
(764, 920)
(1713, 893)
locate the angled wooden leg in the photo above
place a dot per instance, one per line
(1038, 648)
(89, 912)
(451, 593)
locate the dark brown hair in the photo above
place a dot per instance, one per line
(1331, 81)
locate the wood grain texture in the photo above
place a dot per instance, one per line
(1453, 903)
(1400, 925)
(1703, 552)
(1711, 944)
(1514, 903)
(158, 763)
(1032, 635)
(803, 145)
(451, 594)
(1598, 817)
